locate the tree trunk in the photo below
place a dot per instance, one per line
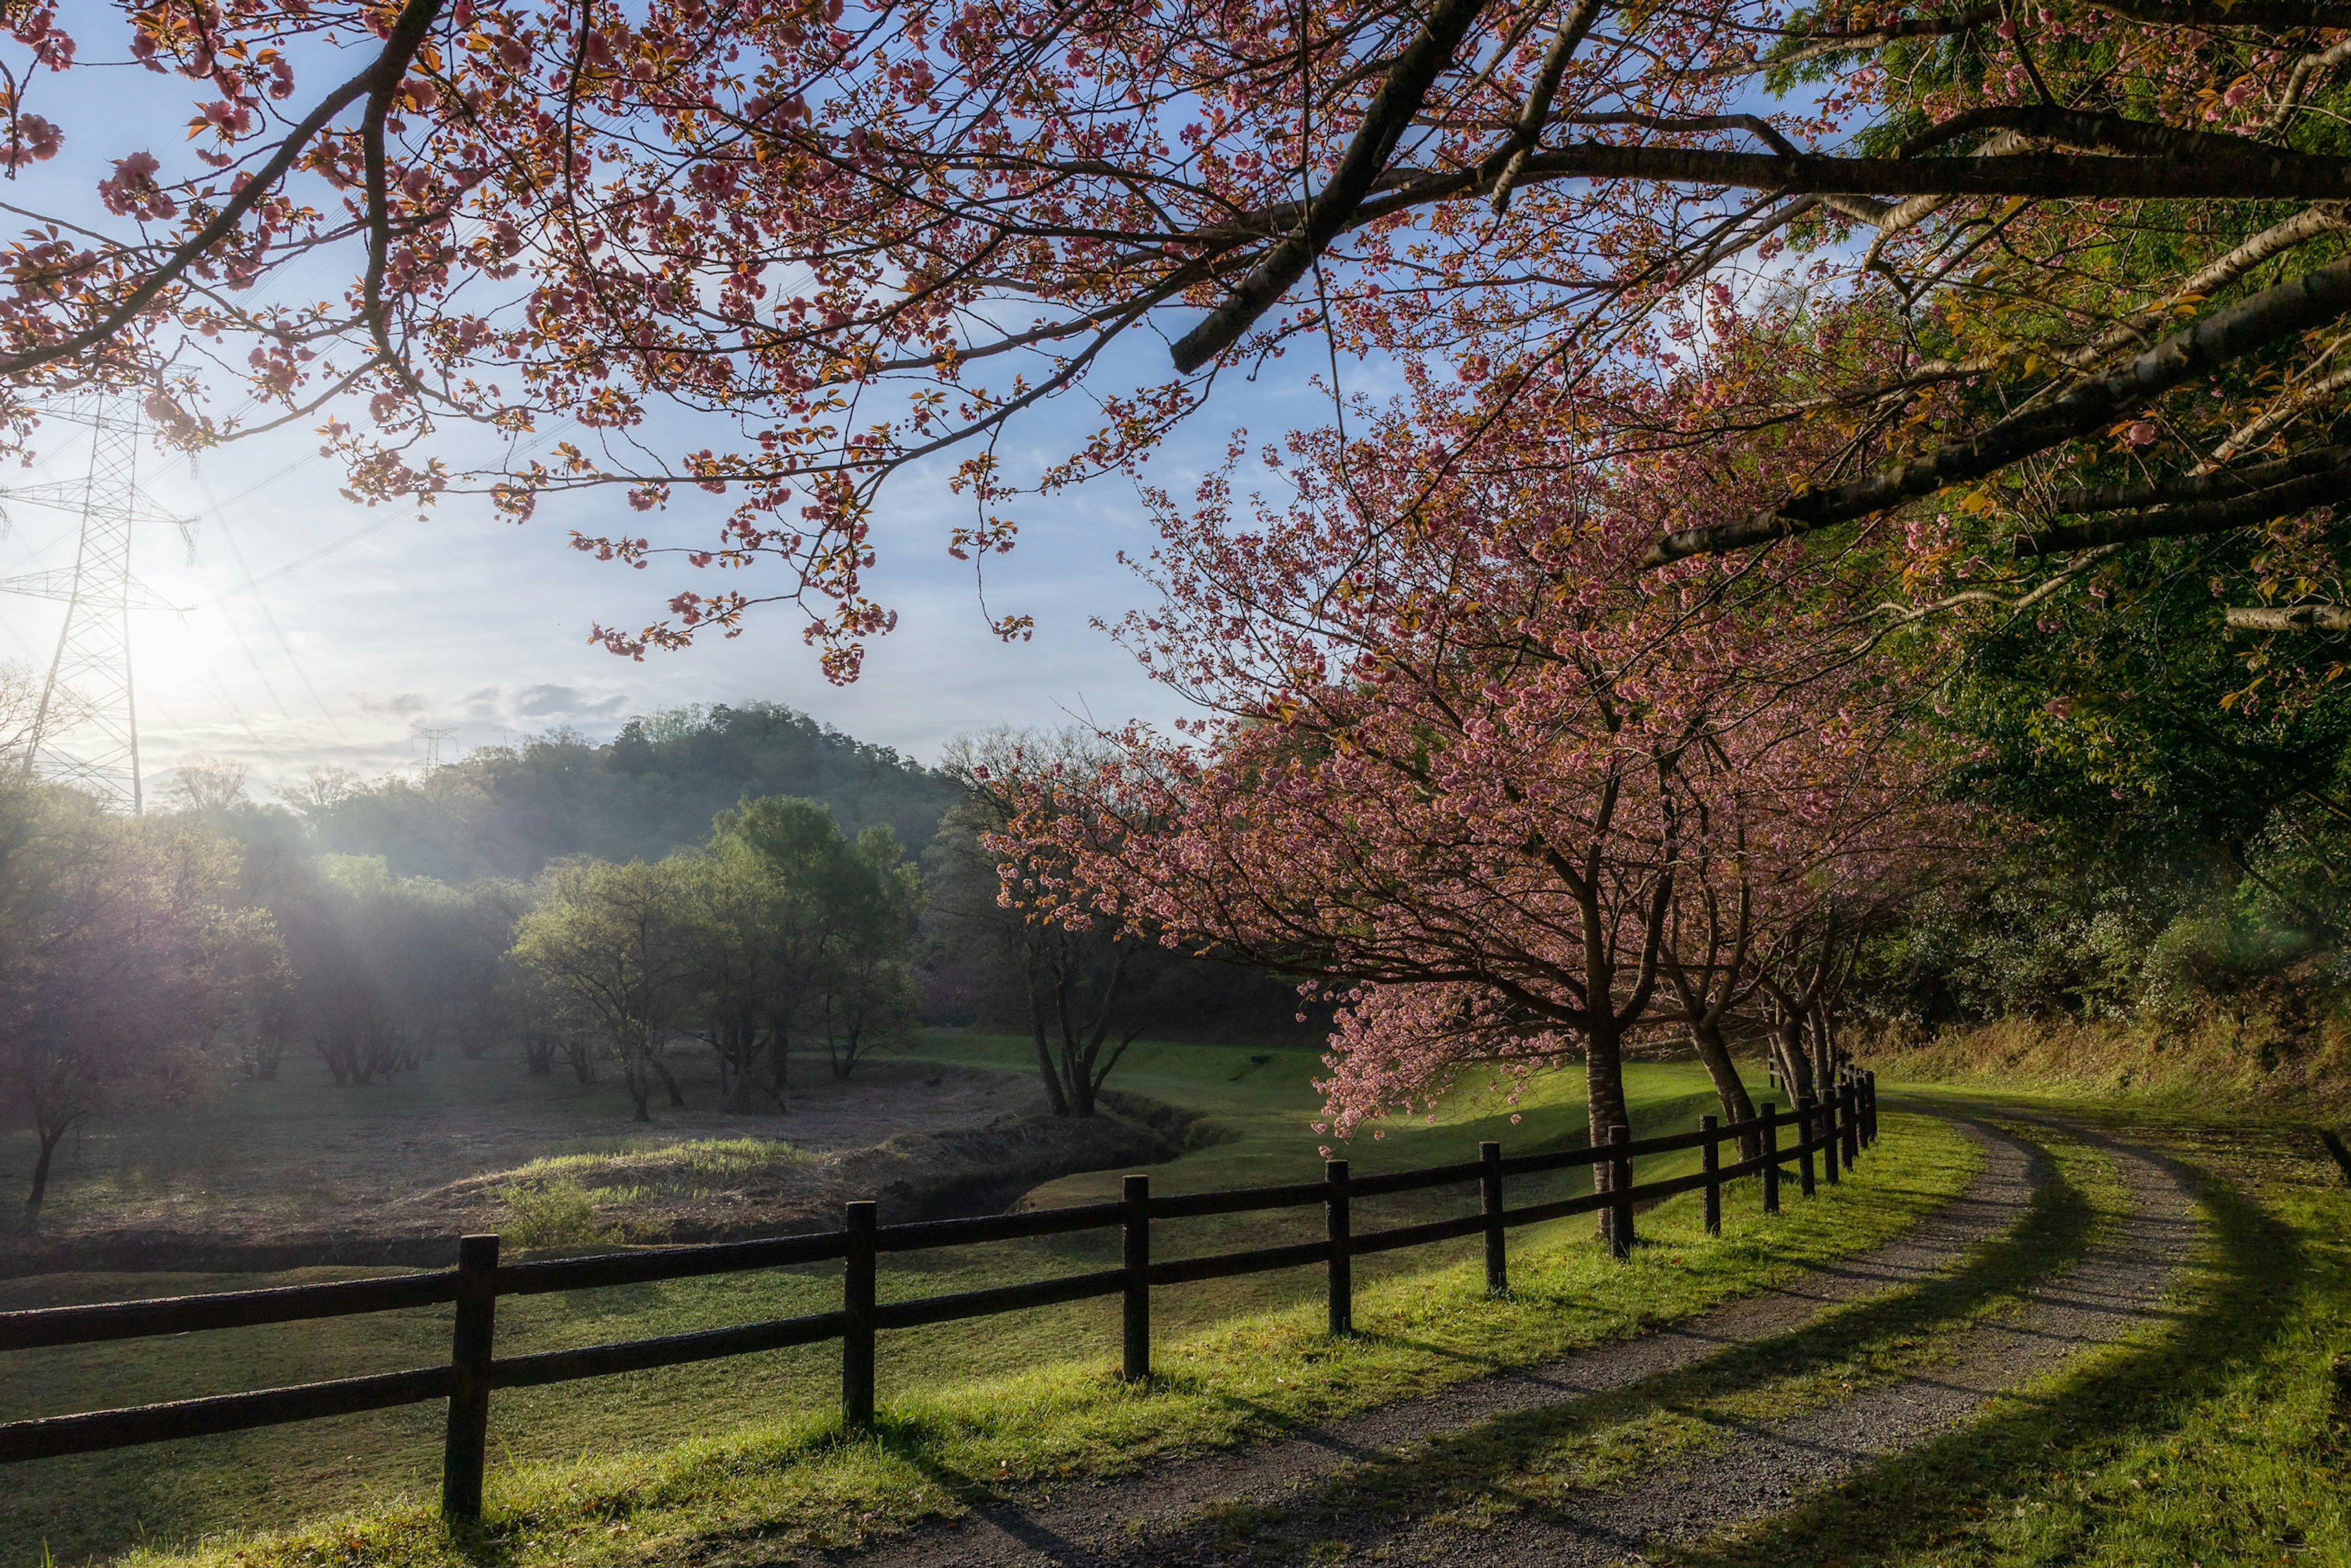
(1047, 1068)
(743, 1050)
(780, 1040)
(1604, 1100)
(639, 1085)
(1795, 1070)
(49, 1142)
(676, 1095)
(1728, 1087)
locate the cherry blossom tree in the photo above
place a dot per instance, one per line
(751, 258)
(1465, 769)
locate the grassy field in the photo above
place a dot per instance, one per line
(2221, 1436)
(1255, 1105)
(301, 1163)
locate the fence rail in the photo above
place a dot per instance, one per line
(1838, 1126)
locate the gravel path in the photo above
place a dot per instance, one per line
(1176, 1512)
(2117, 1286)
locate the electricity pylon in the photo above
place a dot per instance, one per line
(432, 737)
(86, 732)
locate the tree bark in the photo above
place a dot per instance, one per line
(41, 1162)
(1047, 1068)
(1603, 1100)
(1706, 1036)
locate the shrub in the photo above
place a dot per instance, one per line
(554, 1212)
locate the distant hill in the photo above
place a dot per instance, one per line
(508, 810)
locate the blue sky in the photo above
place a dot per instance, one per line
(319, 632)
(292, 653)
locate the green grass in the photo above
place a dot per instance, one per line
(2221, 1436)
(1241, 1357)
(695, 1166)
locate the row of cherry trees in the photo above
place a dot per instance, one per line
(1507, 801)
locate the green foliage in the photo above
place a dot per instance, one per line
(554, 1212)
(2178, 826)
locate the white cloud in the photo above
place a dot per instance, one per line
(400, 705)
(566, 702)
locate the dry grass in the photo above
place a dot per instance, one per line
(2218, 1056)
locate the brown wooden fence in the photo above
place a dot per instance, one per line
(1840, 1125)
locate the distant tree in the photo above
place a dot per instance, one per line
(122, 964)
(747, 966)
(1076, 969)
(385, 965)
(801, 854)
(209, 786)
(320, 789)
(476, 997)
(620, 944)
(20, 707)
(868, 991)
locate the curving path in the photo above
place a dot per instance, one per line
(1299, 1500)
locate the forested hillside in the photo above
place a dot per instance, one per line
(508, 810)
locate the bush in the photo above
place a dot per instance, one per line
(555, 1211)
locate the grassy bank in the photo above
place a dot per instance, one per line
(1241, 1357)
(2246, 1059)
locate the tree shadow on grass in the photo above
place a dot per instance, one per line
(1932, 1494)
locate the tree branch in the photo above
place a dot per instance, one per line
(2289, 617)
(2332, 485)
(2285, 311)
(399, 46)
(2212, 486)
(1390, 110)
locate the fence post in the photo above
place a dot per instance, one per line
(1771, 1157)
(1343, 1269)
(1851, 1100)
(857, 1306)
(1620, 1193)
(1807, 1123)
(1137, 1261)
(1711, 1153)
(467, 1446)
(1829, 1132)
(1869, 1106)
(1489, 1195)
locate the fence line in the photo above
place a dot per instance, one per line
(1838, 1126)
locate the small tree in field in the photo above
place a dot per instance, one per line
(1004, 887)
(619, 942)
(868, 993)
(121, 965)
